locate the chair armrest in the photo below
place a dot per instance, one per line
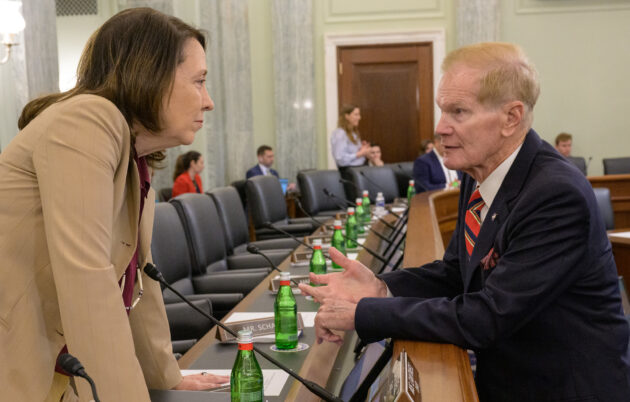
(184, 321)
(242, 261)
(182, 346)
(228, 282)
(303, 221)
(296, 227)
(284, 243)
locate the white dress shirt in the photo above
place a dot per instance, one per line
(450, 175)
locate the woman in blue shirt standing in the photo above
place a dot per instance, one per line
(347, 147)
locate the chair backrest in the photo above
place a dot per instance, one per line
(232, 217)
(375, 179)
(239, 185)
(602, 195)
(579, 162)
(403, 172)
(169, 248)
(165, 194)
(265, 200)
(616, 165)
(312, 185)
(204, 232)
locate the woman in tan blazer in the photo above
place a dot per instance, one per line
(71, 224)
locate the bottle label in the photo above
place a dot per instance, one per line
(285, 283)
(251, 396)
(245, 346)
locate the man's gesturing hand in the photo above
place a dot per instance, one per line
(355, 283)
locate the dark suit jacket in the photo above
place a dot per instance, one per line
(428, 173)
(256, 171)
(546, 322)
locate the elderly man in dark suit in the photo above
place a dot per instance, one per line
(429, 172)
(528, 280)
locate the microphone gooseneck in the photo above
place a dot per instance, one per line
(271, 226)
(403, 172)
(318, 390)
(351, 183)
(255, 250)
(72, 365)
(299, 204)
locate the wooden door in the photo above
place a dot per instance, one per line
(393, 86)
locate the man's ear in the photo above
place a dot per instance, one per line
(513, 114)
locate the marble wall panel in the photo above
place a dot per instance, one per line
(294, 86)
(477, 21)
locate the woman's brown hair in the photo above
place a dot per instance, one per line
(131, 61)
(345, 124)
(183, 162)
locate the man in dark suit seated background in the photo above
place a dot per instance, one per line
(265, 160)
(528, 280)
(429, 172)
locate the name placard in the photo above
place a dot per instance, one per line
(259, 327)
(399, 382)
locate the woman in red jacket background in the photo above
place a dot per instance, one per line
(186, 177)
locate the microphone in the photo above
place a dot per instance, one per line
(372, 182)
(299, 204)
(156, 275)
(73, 366)
(588, 162)
(271, 226)
(333, 196)
(255, 250)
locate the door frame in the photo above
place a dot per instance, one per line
(333, 41)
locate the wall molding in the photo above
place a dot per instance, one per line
(563, 6)
(386, 13)
(332, 41)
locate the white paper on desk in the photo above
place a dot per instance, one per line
(353, 256)
(398, 209)
(625, 235)
(361, 240)
(273, 379)
(308, 317)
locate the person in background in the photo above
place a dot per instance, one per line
(374, 157)
(347, 147)
(265, 161)
(426, 146)
(564, 141)
(186, 177)
(429, 172)
(76, 213)
(528, 280)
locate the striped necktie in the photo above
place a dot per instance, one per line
(473, 221)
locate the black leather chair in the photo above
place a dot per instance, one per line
(266, 203)
(165, 194)
(239, 185)
(205, 235)
(171, 255)
(374, 179)
(579, 162)
(312, 185)
(602, 195)
(403, 172)
(616, 165)
(187, 325)
(234, 223)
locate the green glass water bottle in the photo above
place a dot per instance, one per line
(285, 314)
(318, 262)
(411, 191)
(360, 215)
(351, 229)
(367, 216)
(246, 380)
(338, 241)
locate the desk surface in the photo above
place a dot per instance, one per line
(444, 369)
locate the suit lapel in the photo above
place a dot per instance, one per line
(500, 209)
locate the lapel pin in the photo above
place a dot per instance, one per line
(494, 216)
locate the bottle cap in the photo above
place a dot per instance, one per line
(285, 276)
(359, 201)
(379, 194)
(245, 336)
(366, 193)
(337, 223)
(317, 243)
(350, 211)
(411, 182)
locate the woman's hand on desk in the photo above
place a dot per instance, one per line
(201, 382)
(355, 283)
